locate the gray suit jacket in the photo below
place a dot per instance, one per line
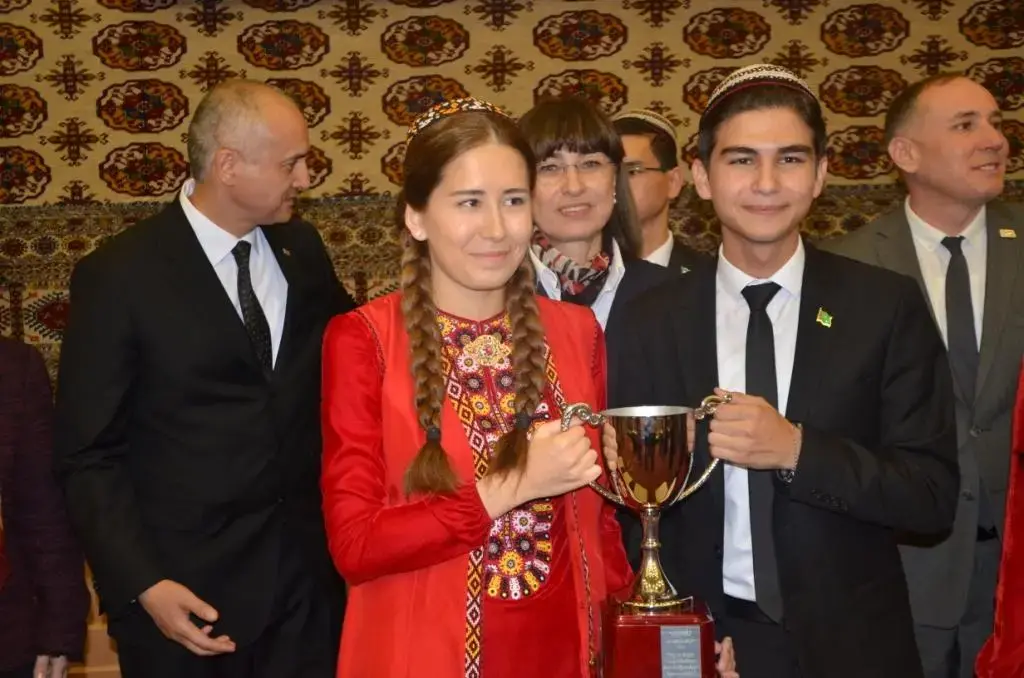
(939, 568)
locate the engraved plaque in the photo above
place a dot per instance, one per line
(680, 652)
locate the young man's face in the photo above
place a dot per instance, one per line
(762, 175)
(653, 186)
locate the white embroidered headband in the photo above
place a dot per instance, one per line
(450, 107)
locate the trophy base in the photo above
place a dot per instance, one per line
(674, 643)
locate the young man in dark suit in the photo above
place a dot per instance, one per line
(655, 180)
(188, 411)
(840, 431)
(963, 247)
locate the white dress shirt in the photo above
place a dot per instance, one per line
(602, 306)
(662, 255)
(731, 315)
(267, 279)
(933, 258)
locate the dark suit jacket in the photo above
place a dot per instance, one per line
(638, 277)
(43, 602)
(684, 258)
(940, 569)
(879, 455)
(180, 457)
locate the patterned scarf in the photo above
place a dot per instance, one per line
(575, 279)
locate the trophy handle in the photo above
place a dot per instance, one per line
(707, 409)
(591, 418)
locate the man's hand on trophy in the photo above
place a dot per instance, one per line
(750, 433)
(726, 659)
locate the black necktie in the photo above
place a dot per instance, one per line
(252, 313)
(761, 381)
(961, 340)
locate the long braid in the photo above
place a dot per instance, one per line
(528, 365)
(431, 470)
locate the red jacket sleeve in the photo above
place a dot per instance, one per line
(369, 535)
(618, 573)
(1003, 654)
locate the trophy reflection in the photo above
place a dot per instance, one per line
(654, 631)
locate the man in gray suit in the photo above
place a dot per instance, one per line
(966, 249)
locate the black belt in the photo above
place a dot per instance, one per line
(747, 610)
(987, 533)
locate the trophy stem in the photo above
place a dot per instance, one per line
(652, 591)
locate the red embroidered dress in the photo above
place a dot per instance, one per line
(520, 576)
(436, 587)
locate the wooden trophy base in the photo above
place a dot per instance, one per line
(678, 643)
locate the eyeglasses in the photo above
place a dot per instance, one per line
(636, 169)
(552, 171)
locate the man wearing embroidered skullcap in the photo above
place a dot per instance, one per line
(960, 243)
(188, 430)
(839, 431)
(655, 179)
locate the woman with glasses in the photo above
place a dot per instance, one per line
(586, 245)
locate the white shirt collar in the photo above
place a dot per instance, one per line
(663, 253)
(550, 279)
(790, 277)
(931, 238)
(215, 241)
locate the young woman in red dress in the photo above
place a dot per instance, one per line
(458, 516)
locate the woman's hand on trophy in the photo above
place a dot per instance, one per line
(726, 659)
(558, 462)
(750, 433)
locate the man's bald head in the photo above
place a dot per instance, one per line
(232, 115)
(902, 109)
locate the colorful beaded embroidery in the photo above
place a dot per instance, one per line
(446, 108)
(516, 560)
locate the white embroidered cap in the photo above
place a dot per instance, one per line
(757, 74)
(651, 118)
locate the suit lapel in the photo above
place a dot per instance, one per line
(813, 339)
(195, 279)
(894, 248)
(696, 322)
(280, 244)
(677, 258)
(1001, 272)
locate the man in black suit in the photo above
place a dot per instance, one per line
(840, 432)
(655, 180)
(188, 411)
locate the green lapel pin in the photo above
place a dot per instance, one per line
(824, 318)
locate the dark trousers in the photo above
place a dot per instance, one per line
(762, 648)
(23, 672)
(301, 640)
(951, 653)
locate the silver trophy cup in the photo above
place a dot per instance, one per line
(655, 450)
